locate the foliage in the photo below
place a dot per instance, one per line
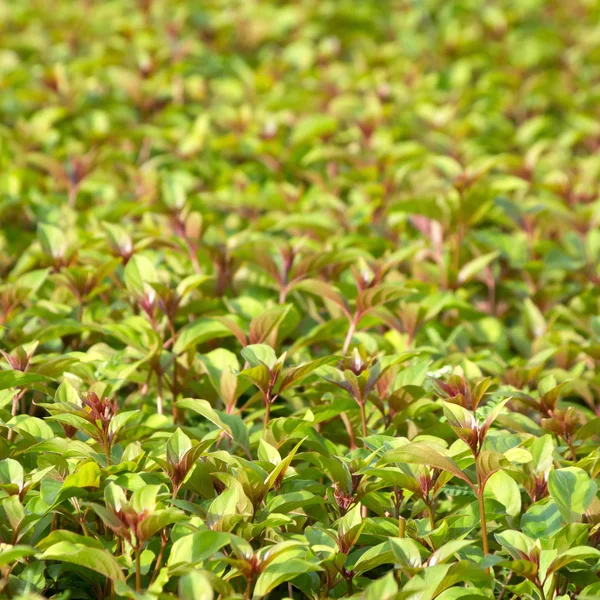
(299, 299)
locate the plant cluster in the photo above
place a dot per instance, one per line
(299, 299)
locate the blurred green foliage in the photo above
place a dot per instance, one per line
(299, 299)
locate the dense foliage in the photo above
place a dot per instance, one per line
(299, 299)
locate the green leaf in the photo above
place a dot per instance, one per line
(84, 556)
(53, 240)
(31, 427)
(281, 468)
(119, 421)
(260, 354)
(115, 497)
(158, 520)
(588, 430)
(490, 462)
(259, 376)
(350, 526)
(542, 449)
(11, 472)
(173, 188)
(221, 366)
(143, 500)
(14, 511)
(421, 454)
(462, 421)
(88, 475)
(475, 266)
(268, 453)
(516, 542)
(11, 554)
(374, 557)
(447, 551)
(573, 491)
(503, 488)
(222, 513)
(574, 534)
(294, 375)
(10, 379)
(384, 588)
(231, 424)
(286, 503)
(522, 568)
(322, 290)
(571, 555)
(462, 593)
(534, 318)
(542, 519)
(139, 274)
(266, 323)
(119, 238)
(590, 592)
(280, 572)
(202, 330)
(311, 127)
(406, 552)
(192, 550)
(177, 446)
(195, 586)
(384, 293)
(62, 535)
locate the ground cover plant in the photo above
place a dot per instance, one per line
(299, 299)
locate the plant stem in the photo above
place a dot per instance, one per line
(363, 418)
(431, 517)
(107, 452)
(176, 415)
(350, 586)
(484, 536)
(346, 421)
(553, 586)
(175, 492)
(505, 586)
(401, 527)
(192, 254)
(159, 559)
(541, 588)
(82, 521)
(351, 330)
(159, 393)
(267, 413)
(73, 190)
(572, 450)
(15, 410)
(84, 528)
(138, 570)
